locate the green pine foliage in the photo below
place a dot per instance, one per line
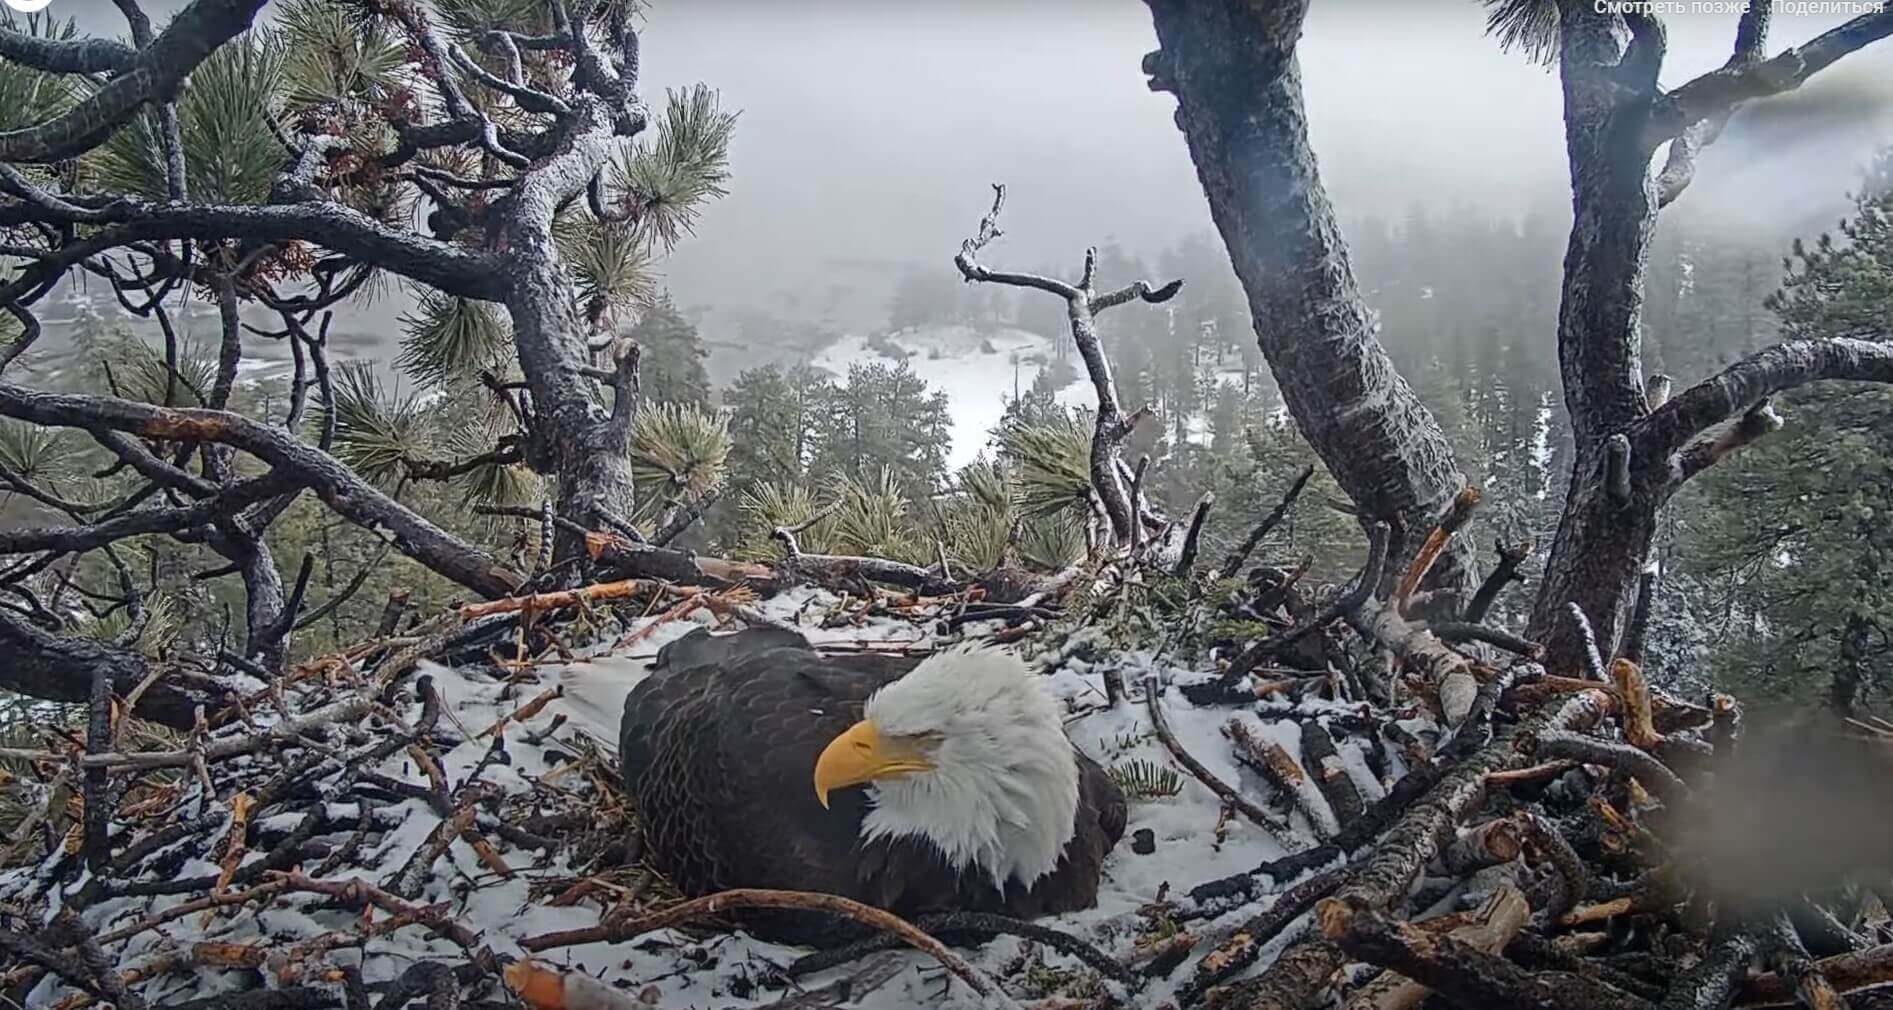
(29, 96)
(335, 60)
(224, 114)
(1051, 464)
(682, 167)
(678, 453)
(1143, 780)
(1787, 542)
(446, 339)
(375, 431)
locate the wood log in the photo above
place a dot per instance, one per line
(1489, 844)
(1236, 954)
(1274, 764)
(1493, 926)
(1634, 695)
(1712, 983)
(1846, 972)
(1386, 873)
(1458, 970)
(1788, 958)
(1323, 761)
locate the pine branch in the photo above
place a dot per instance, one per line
(338, 486)
(154, 75)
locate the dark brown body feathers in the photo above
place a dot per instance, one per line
(718, 748)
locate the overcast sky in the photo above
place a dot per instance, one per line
(871, 128)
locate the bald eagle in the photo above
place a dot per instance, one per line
(941, 784)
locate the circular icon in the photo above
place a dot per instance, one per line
(28, 6)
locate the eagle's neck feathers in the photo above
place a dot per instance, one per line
(1003, 794)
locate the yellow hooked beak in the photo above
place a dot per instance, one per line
(862, 754)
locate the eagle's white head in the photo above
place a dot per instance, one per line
(968, 751)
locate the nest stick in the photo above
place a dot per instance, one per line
(1233, 563)
(1859, 969)
(834, 904)
(546, 601)
(1275, 826)
(1456, 516)
(980, 924)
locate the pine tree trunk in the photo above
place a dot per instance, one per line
(1234, 71)
(582, 449)
(1603, 541)
(582, 445)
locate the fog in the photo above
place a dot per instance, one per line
(870, 131)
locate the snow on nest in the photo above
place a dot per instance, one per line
(677, 969)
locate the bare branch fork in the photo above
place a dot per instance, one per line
(1083, 303)
(1637, 443)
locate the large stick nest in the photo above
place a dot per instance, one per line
(371, 830)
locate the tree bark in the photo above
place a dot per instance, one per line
(1234, 71)
(42, 664)
(1616, 118)
(1608, 66)
(588, 449)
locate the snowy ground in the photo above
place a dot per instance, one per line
(976, 371)
(675, 969)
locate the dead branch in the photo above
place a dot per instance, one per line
(1356, 836)
(1384, 875)
(1232, 565)
(357, 893)
(1723, 90)
(290, 458)
(1186, 560)
(1528, 776)
(615, 931)
(1789, 959)
(1634, 695)
(1742, 386)
(1457, 515)
(541, 602)
(969, 925)
(1845, 972)
(1379, 536)
(1459, 970)
(1324, 765)
(1494, 842)
(1274, 764)
(1441, 666)
(1244, 946)
(1590, 750)
(1713, 981)
(1457, 632)
(1083, 303)
(1545, 843)
(1492, 926)
(1503, 574)
(1593, 657)
(1268, 822)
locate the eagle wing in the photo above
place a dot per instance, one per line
(718, 749)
